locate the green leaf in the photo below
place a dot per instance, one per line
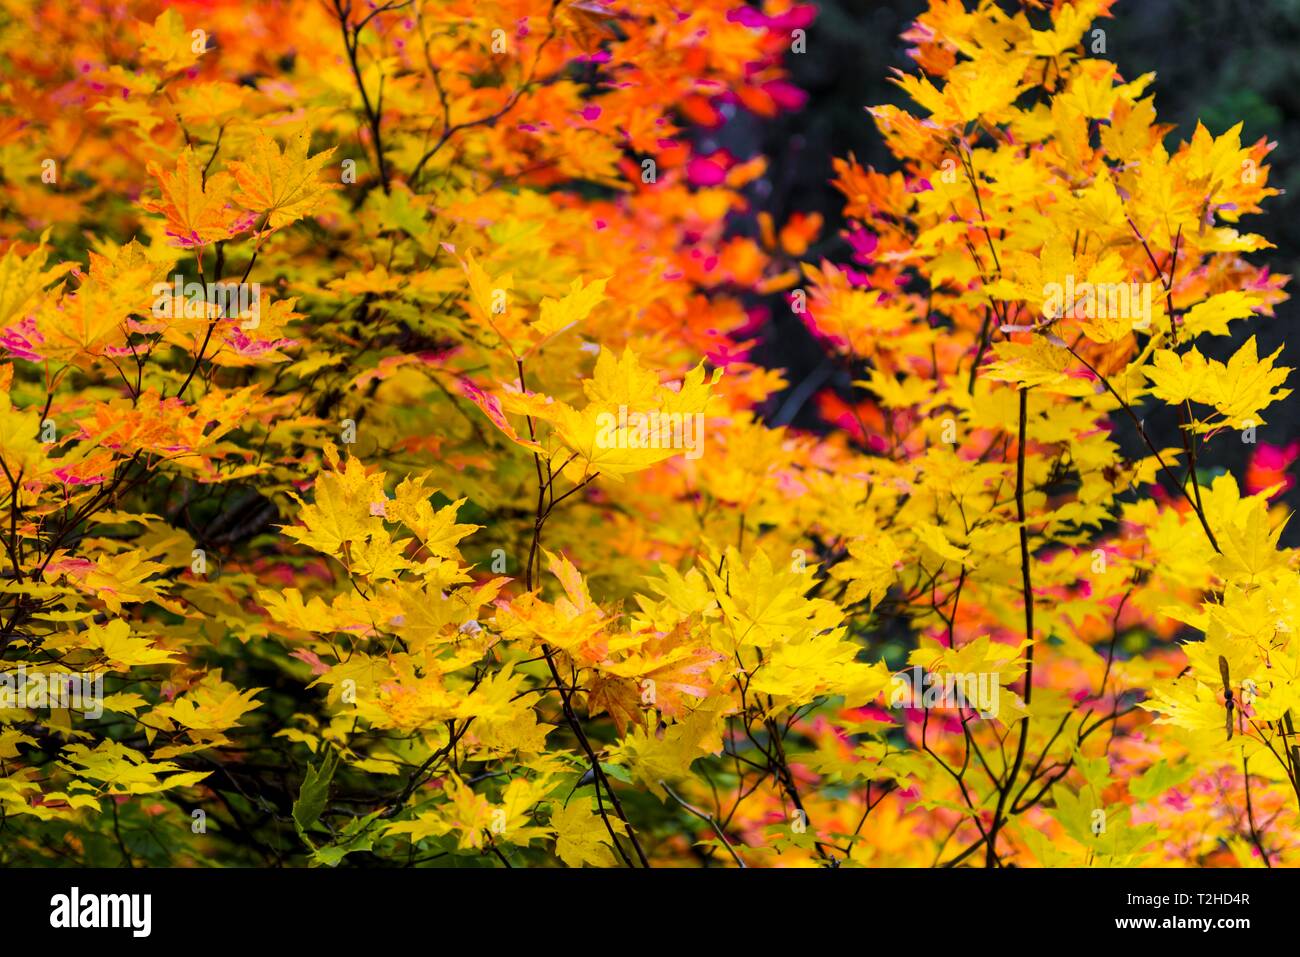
(314, 792)
(1158, 779)
(354, 837)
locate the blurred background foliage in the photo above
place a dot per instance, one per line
(1219, 61)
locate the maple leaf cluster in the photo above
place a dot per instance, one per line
(383, 457)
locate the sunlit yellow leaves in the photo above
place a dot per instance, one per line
(87, 322)
(1118, 844)
(581, 835)
(376, 559)
(560, 314)
(913, 390)
(10, 739)
(873, 565)
(573, 623)
(203, 102)
(1176, 541)
(112, 768)
(1227, 175)
(281, 186)
(859, 318)
(1069, 22)
(121, 649)
(1177, 378)
(288, 607)
(457, 623)
(348, 507)
(430, 617)
(981, 655)
(679, 597)
(1249, 549)
(1094, 93)
(490, 299)
(474, 820)
(167, 428)
(1038, 362)
(1131, 131)
(1247, 384)
(935, 539)
(436, 530)
(115, 580)
(405, 696)
(664, 672)
(1253, 612)
(211, 706)
(1193, 705)
(1099, 205)
(467, 813)
(1238, 390)
(974, 90)
(668, 756)
(1092, 290)
(1068, 135)
(1213, 315)
(631, 422)
(521, 731)
(490, 304)
(907, 135)
(764, 603)
(818, 664)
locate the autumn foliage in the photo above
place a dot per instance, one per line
(386, 566)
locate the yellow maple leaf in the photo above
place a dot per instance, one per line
(437, 531)
(1213, 315)
(347, 507)
(21, 452)
(168, 45)
(22, 278)
(121, 648)
(1238, 390)
(282, 186)
(1247, 384)
(118, 769)
(1249, 549)
(490, 300)
(560, 314)
(581, 835)
(934, 538)
(490, 305)
(872, 566)
(816, 664)
(212, 705)
(1178, 378)
(764, 603)
(120, 579)
(632, 420)
(667, 756)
